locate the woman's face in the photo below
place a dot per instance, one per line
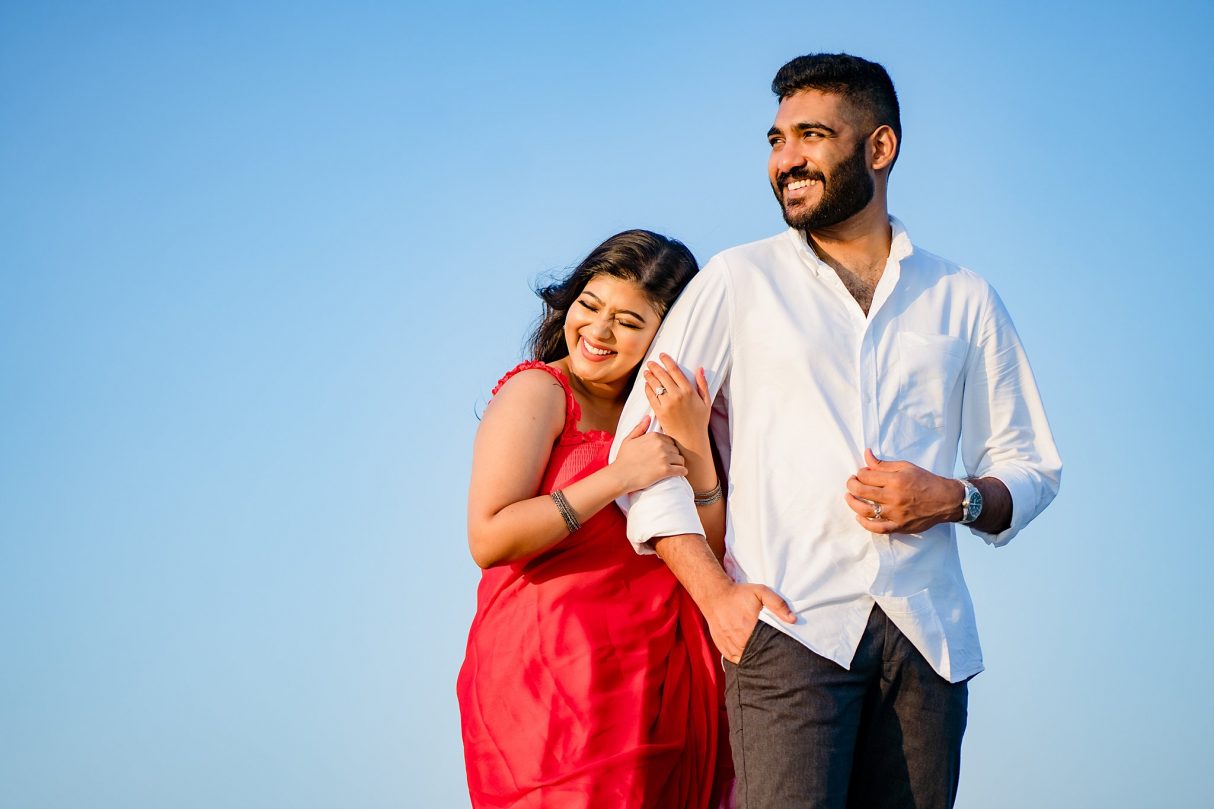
(608, 329)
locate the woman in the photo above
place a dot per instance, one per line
(589, 679)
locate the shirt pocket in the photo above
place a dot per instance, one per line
(929, 366)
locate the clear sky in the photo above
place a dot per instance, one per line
(262, 262)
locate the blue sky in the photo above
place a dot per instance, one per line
(262, 262)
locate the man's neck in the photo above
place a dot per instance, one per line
(857, 249)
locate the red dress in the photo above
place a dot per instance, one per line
(590, 681)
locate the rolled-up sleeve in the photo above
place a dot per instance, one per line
(696, 332)
(1004, 430)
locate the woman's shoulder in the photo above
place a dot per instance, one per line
(532, 375)
(533, 389)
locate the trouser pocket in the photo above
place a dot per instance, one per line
(755, 642)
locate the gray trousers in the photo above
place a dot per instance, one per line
(809, 734)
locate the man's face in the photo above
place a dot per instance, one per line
(819, 161)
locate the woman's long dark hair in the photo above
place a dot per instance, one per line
(659, 265)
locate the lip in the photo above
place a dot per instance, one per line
(583, 342)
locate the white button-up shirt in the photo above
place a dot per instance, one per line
(804, 382)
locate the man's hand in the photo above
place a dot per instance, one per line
(731, 609)
(733, 613)
(903, 498)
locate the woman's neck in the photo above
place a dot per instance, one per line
(598, 400)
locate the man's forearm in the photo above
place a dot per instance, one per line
(693, 564)
(996, 516)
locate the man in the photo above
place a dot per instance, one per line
(848, 366)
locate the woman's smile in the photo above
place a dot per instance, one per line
(593, 352)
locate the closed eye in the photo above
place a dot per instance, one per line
(626, 324)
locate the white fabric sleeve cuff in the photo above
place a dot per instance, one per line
(667, 509)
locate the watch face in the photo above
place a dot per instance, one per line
(973, 505)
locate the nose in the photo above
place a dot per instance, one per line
(789, 158)
(600, 327)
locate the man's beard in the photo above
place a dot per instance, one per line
(850, 188)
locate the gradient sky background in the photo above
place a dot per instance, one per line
(261, 264)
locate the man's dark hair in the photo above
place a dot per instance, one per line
(864, 84)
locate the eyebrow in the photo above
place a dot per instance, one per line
(802, 126)
(621, 311)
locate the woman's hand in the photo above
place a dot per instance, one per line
(645, 458)
(682, 409)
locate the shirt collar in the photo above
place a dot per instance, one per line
(900, 246)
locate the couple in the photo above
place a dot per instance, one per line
(840, 369)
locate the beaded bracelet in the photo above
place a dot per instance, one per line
(563, 506)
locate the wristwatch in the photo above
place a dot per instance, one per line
(971, 504)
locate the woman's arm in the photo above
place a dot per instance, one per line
(683, 411)
(507, 519)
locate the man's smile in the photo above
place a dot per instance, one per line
(796, 189)
(797, 185)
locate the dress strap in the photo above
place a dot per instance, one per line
(573, 412)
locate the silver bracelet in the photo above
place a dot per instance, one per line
(709, 497)
(562, 505)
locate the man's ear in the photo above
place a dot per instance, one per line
(883, 146)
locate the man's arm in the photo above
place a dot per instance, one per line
(731, 609)
(663, 518)
(913, 499)
(1006, 446)
(1004, 431)
(695, 332)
